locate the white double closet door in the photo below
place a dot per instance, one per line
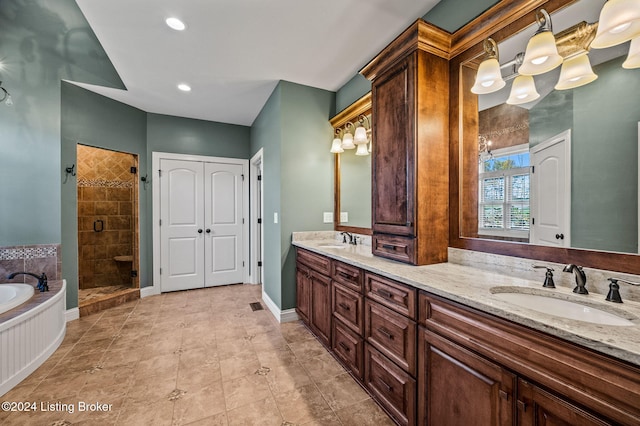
(201, 229)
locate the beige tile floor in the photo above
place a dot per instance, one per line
(199, 357)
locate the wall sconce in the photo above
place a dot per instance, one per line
(619, 22)
(633, 59)
(541, 54)
(6, 96)
(489, 78)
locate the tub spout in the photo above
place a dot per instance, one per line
(42, 279)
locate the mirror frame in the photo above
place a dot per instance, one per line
(499, 22)
(350, 114)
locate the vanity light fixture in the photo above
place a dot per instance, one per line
(576, 71)
(362, 136)
(523, 90)
(362, 149)
(541, 54)
(489, 79)
(175, 24)
(184, 87)
(633, 59)
(484, 149)
(6, 96)
(336, 145)
(619, 22)
(347, 138)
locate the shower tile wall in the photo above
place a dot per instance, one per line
(106, 217)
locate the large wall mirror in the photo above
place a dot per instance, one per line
(352, 170)
(546, 171)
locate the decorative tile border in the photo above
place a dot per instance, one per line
(103, 183)
(16, 253)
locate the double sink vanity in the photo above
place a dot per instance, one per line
(455, 344)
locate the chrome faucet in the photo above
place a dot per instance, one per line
(581, 278)
(42, 279)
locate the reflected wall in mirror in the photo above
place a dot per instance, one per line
(352, 168)
(560, 170)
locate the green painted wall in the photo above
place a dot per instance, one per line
(41, 43)
(451, 15)
(266, 133)
(91, 119)
(353, 90)
(294, 131)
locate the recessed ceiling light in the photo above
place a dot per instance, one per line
(175, 24)
(184, 87)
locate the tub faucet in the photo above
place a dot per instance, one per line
(581, 278)
(42, 279)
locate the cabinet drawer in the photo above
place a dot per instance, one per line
(348, 307)
(394, 247)
(391, 387)
(348, 347)
(315, 261)
(393, 295)
(392, 334)
(347, 275)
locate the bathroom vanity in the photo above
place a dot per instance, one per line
(437, 345)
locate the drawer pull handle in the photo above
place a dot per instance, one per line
(383, 383)
(346, 276)
(386, 333)
(384, 293)
(504, 395)
(345, 347)
(389, 246)
(344, 306)
(522, 406)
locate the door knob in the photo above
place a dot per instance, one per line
(208, 231)
(199, 231)
(559, 236)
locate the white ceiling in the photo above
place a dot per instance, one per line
(234, 52)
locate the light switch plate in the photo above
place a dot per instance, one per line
(275, 217)
(327, 217)
(344, 217)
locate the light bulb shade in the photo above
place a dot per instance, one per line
(489, 79)
(347, 141)
(575, 72)
(362, 149)
(633, 59)
(523, 90)
(619, 22)
(360, 136)
(541, 55)
(336, 146)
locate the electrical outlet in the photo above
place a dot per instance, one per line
(327, 217)
(344, 217)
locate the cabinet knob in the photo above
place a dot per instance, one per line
(344, 306)
(522, 405)
(386, 333)
(208, 231)
(199, 231)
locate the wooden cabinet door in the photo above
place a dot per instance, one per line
(393, 161)
(303, 292)
(458, 387)
(538, 407)
(320, 318)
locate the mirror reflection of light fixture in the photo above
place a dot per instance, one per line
(336, 145)
(633, 59)
(489, 79)
(6, 96)
(362, 136)
(575, 72)
(542, 53)
(362, 149)
(619, 22)
(523, 90)
(484, 149)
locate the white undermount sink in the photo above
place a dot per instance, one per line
(332, 245)
(562, 308)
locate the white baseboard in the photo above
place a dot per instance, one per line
(151, 290)
(287, 315)
(71, 314)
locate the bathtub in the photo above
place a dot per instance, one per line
(12, 295)
(30, 331)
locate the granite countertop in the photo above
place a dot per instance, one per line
(477, 288)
